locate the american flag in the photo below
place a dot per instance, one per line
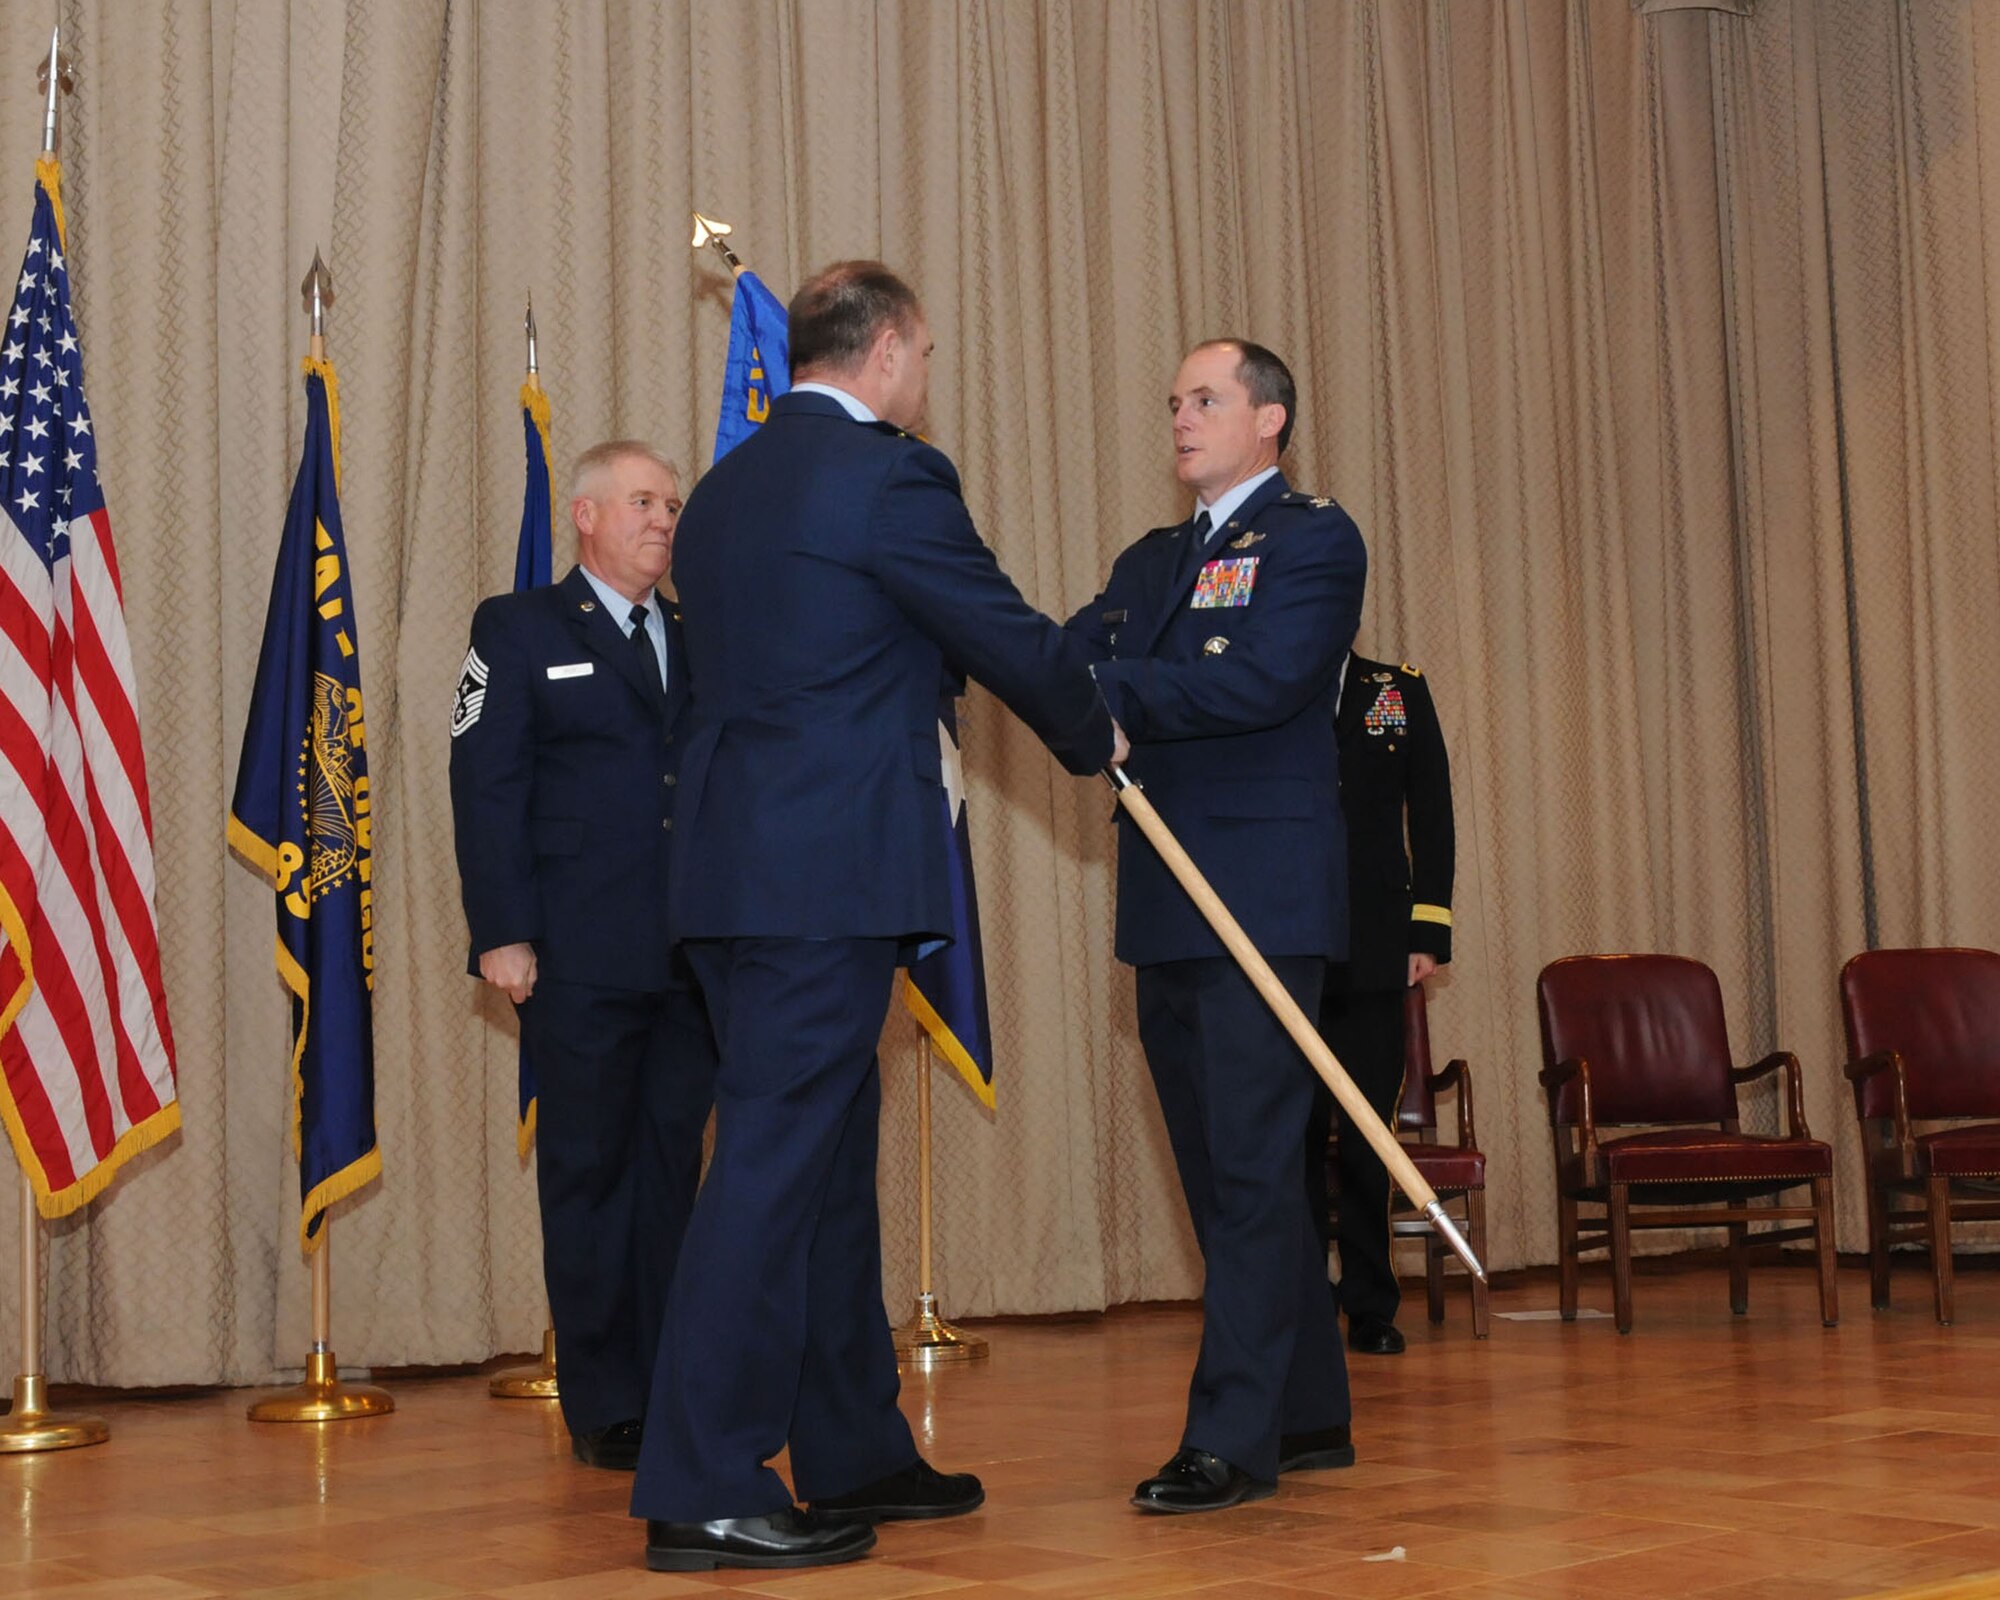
(86, 1053)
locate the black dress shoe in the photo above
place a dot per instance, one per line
(1374, 1337)
(1317, 1450)
(1197, 1481)
(615, 1447)
(787, 1538)
(918, 1491)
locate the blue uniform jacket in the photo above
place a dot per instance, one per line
(1224, 681)
(830, 577)
(563, 784)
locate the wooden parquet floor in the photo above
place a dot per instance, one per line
(1755, 1458)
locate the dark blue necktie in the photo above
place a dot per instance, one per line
(641, 643)
(1197, 543)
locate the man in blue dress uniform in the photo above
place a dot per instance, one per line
(1219, 642)
(564, 735)
(831, 577)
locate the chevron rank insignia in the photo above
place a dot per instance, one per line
(469, 699)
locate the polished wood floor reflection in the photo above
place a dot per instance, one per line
(1758, 1458)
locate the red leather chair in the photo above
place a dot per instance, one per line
(1923, 1037)
(1640, 1041)
(1456, 1171)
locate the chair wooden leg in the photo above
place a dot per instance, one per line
(1739, 1260)
(1566, 1253)
(1878, 1244)
(1823, 1242)
(1937, 1205)
(1620, 1218)
(1475, 1228)
(1434, 1254)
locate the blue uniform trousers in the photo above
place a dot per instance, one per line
(775, 1332)
(1236, 1094)
(625, 1078)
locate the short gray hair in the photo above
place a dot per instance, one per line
(599, 456)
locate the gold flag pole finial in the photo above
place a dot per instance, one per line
(708, 231)
(534, 365)
(55, 75)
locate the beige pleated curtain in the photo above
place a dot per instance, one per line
(1655, 355)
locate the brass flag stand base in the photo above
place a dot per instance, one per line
(927, 1340)
(322, 1397)
(529, 1383)
(31, 1425)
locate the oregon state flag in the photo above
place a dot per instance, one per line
(301, 816)
(534, 568)
(759, 366)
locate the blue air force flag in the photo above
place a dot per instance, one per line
(759, 366)
(946, 990)
(301, 816)
(534, 568)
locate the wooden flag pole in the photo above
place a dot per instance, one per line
(536, 1381)
(322, 1397)
(927, 1340)
(31, 1425)
(1279, 999)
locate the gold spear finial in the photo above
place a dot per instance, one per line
(534, 365)
(708, 231)
(55, 74)
(317, 293)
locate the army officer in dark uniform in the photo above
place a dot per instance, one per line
(1395, 780)
(565, 738)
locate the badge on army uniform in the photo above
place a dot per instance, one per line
(1387, 714)
(1248, 539)
(1225, 583)
(469, 699)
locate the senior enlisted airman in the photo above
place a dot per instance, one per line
(565, 738)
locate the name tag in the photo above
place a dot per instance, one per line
(1225, 583)
(575, 669)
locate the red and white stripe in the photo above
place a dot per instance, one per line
(88, 1058)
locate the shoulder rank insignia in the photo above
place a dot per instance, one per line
(1215, 646)
(1248, 539)
(1415, 672)
(1320, 502)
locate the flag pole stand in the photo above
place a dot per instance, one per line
(31, 1425)
(322, 1397)
(927, 1340)
(537, 1382)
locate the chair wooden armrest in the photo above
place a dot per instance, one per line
(1457, 1074)
(1795, 1093)
(1859, 1072)
(1554, 1079)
